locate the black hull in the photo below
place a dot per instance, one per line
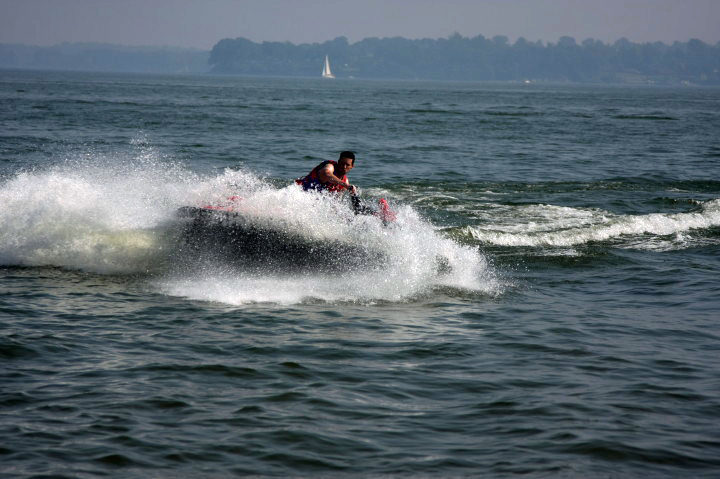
(229, 236)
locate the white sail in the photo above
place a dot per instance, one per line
(326, 69)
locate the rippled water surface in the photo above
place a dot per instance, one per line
(545, 304)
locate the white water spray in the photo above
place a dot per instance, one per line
(118, 216)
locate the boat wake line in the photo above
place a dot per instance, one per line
(566, 227)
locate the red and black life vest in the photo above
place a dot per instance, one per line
(312, 181)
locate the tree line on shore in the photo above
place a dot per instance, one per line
(477, 59)
(453, 58)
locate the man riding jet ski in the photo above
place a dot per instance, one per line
(332, 176)
(223, 230)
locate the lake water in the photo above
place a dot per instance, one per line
(548, 302)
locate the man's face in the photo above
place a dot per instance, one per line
(344, 165)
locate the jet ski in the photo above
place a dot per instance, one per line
(224, 232)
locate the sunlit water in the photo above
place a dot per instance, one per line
(546, 302)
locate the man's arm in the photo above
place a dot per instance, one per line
(327, 175)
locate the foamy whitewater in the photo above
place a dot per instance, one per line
(119, 217)
(548, 225)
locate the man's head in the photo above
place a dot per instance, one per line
(346, 162)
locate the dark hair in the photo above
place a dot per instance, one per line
(347, 154)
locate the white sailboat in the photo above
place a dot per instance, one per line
(326, 69)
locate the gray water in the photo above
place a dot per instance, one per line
(547, 304)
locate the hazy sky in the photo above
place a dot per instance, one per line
(200, 24)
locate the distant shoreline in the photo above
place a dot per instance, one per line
(455, 58)
(100, 57)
